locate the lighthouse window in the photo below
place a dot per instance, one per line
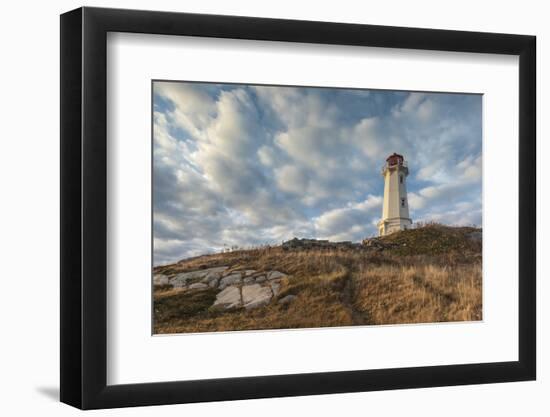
(401, 179)
(402, 202)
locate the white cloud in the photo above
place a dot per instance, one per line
(426, 110)
(353, 222)
(470, 168)
(291, 179)
(367, 136)
(409, 106)
(194, 108)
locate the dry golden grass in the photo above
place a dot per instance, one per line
(419, 294)
(341, 287)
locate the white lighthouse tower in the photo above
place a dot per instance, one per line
(395, 211)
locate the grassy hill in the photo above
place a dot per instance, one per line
(428, 274)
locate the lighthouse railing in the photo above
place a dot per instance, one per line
(401, 164)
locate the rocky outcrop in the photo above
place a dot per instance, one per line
(160, 279)
(304, 244)
(247, 289)
(378, 244)
(185, 278)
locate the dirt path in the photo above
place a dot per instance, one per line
(358, 318)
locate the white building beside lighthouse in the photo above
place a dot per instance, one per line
(395, 210)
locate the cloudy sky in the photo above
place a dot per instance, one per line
(241, 165)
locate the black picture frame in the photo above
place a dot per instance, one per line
(84, 207)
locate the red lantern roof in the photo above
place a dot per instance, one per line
(395, 159)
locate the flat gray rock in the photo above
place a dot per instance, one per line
(214, 273)
(261, 278)
(476, 235)
(249, 272)
(217, 269)
(212, 279)
(255, 296)
(228, 299)
(198, 286)
(182, 279)
(213, 283)
(248, 280)
(275, 275)
(275, 287)
(179, 280)
(230, 279)
(287, 300)
(160, 279)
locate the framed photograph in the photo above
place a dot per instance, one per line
(257, 208)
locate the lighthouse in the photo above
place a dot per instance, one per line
(395, 210)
